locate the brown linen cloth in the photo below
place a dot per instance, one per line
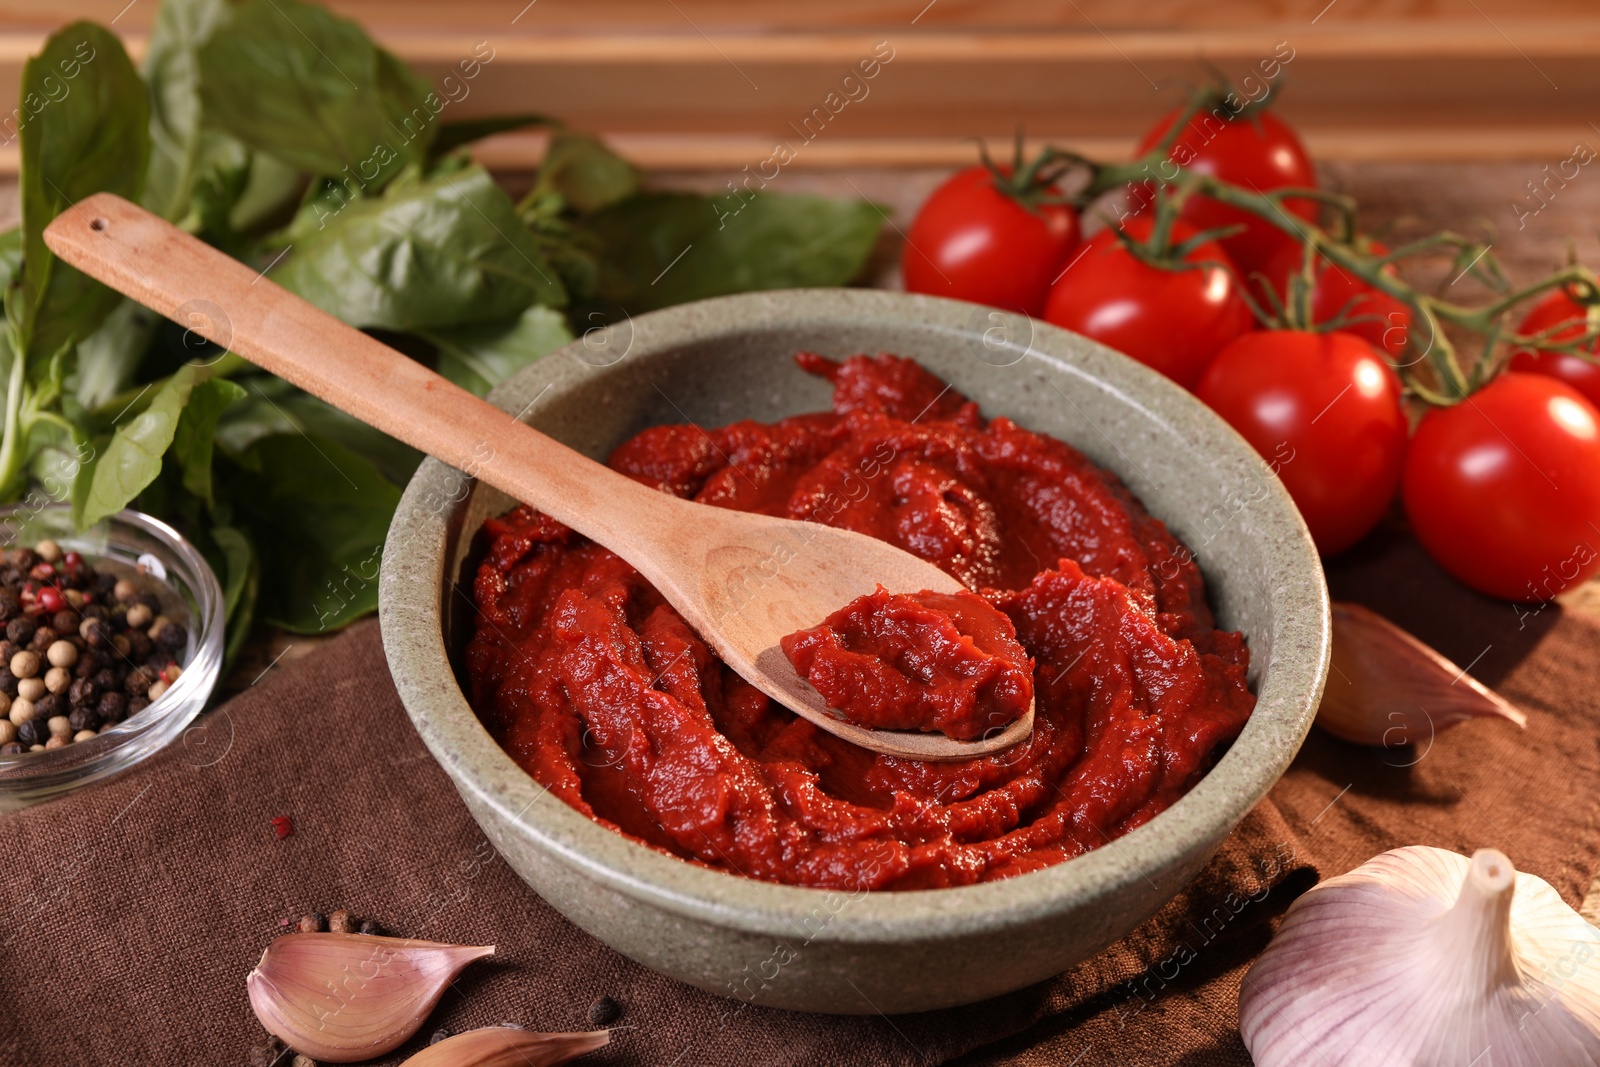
(132, 912)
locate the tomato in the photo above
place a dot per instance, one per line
(1324, 411)
(973, 241)
(1172, 320)
(1556, 308)
(1384, 321)
(1503, 489)
(1259, 152)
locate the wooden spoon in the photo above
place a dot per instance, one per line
(742, 581)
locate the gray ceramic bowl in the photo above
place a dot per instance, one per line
(720, 360)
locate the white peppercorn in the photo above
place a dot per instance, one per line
(60, 726)
(56, 679)
(25, 664)
(56, 741)
(139, 617)
(84, 735)
(62, 653)
(21, 711)
(156, 689)
(8, 733)
(48, 551)
(124, 590)
(74, 597)
(32, 688)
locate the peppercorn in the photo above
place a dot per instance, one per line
(112, 707)
(25, 559)
(21, 711)
(172, 637)
(32, 688)
(57, 741)
(57, 680)
(96, 611)
(59, 726)
(302, 1060)
(140, 646)
(136, 705)
(84, 693)
(33, 732)
(9, 605)
(8, 681)
(11, 749)
(138, 682)
(119, 645)
(8, 732)
(604, 1012)
(139, 617)
(65, 621)
(124, 590)
(88, 663)
(339, 922)
(43, 638)
(25, 664)
(369, 927)
(86, 718)
(157, 687)
(20, 630)
(48, 551)
(96, 633)
(316, 922)
(84, 735)
(266, 1055)
(438, 1036)
(51, 600)
(62, 653)
(49, 705)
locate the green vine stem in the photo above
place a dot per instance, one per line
(1448, 381)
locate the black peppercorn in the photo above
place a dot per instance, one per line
(320, 919)
(11, 749)
(33, 732)
(106, 679)
(438, 1036)
(172, 637)
(49, 706)
(9, 605)
(369, 927)
(85, 718)
(96, 611)
(97, 633)
(65, 621)
(87, 664)
(8, 681)
(112, 707)
(137, 704)
(20, 629)
(150, 601)
(84, 693)
(103, 584)
(138, 681)
(604, 1012)
(25, 559)
(140, 646)
(43, 638)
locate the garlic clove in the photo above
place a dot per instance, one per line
(1387, 688)
(506, 1046)
(342, 998)
(1426, 958)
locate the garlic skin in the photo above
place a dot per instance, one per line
(1387, 688)
(1423, 958)
(342, 998)
(505, 1046)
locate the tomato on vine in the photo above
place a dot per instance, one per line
(1173, 317)
(1503, 489)
(1559, 309)
(1367, 312)
(1255, 150)
(1324, 410)
(993, 235)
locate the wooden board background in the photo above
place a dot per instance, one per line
(686, 83)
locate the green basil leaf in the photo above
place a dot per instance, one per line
(86, 131)
(197, 428)
(442, 252)
(321, 514)
(273, 406)
(669, 248)
(241, 583)
(587, 174)
(478, 358)
(289, 78)
(131, 460)
(179, 147)
(109, 358)
(10, 256)
(453, 135)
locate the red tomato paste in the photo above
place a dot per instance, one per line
(597, 687)
(921, 661)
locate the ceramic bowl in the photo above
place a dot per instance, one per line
(721, 360)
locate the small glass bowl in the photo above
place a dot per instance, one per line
(128, 544)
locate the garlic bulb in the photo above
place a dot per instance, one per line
(342, 998)
(1423, 958)
(1387, 688)
(504, 1046)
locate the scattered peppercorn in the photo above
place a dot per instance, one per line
(282, 825)
(266, 1055)
(302, 1060)
(438, 1036)
(311, 924)
(339, 922)
(11, 749)
(369, 927)
(604, 1012)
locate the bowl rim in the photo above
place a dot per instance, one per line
(419, 662)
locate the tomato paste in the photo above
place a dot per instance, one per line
(597, 687)
(946, 662)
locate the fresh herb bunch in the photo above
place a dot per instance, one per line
(284, 136)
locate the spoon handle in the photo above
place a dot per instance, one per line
(225, 301)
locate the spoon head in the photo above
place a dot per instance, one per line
(746, 581)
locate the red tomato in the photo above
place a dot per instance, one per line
(1384, 321)
(1556, 308)
(1172, 320)
(973, 241)
(1260, 152)
(1324, 411)
(1503, 489)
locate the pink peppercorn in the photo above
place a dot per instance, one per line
(51, 600)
